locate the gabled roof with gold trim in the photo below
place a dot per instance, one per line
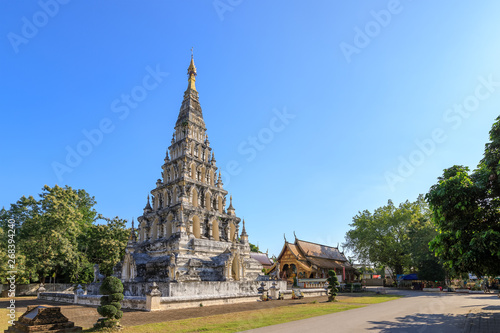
(311, 255)
(320, 251)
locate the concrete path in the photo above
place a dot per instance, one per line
(418, 312)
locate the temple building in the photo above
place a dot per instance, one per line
(304, 259)
(186, 233)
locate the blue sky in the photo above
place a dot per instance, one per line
(375, 99)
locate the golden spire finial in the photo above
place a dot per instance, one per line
(192, 73)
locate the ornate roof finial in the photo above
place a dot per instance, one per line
(219, 180)
(230, 202)
(243, 231)
(167, 158)
(148, 206)
(192, 74)
(132, 236)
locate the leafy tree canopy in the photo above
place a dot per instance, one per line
(254, 248)
(394, 236)
(466, 211)
(59, 234)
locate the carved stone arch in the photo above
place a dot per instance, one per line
(232, 230)
(172, 172)
(166, 197)
(220, 203)
(169, 225)
(129, 269)
(206, 228)
(141, 228)
(203, 170)
(215, 228)
(161, 200)
(211, 175)
(207, 199)
(156, 228)
(194, 195)
(196, 150)
(196, 226)
(236, 268)
(192, 170)
(175, 195)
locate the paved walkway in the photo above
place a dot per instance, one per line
(418, 312)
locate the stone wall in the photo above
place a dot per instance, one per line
(30, 289)
(189, 294)
(168, 303)
(136, 303)
(212, 288)
(193, 288)
(132, 288)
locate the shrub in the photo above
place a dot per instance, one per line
(333, 283)
(112, 291)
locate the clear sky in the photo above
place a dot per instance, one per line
(315, 109)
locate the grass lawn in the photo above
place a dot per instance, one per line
(241, 321)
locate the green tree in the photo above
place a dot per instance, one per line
(61, 233)
(105, 244)
(423, 260)
(466, 211)
(254, 248)
(396, 237)
(23, 272)
(51, 231)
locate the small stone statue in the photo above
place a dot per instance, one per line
(98, 277)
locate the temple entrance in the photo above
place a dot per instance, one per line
(235, 269)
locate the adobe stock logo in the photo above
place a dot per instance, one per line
(222, 6)
(455, 116)
(122, 108)
(253, 144)
(373, 28)
(30, 27)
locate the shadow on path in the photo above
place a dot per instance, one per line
(485, 321)
(420, 323)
